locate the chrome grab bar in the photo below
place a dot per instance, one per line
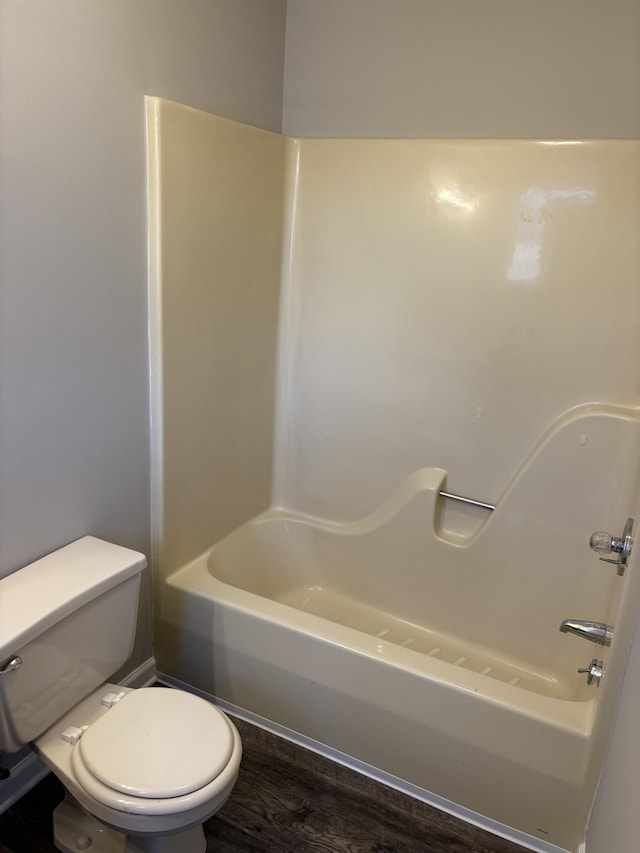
(471, 501)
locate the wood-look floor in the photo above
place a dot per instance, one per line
(289, 800)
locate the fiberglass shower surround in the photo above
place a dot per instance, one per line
(350, 328)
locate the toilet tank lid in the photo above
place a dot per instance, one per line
(39, 595)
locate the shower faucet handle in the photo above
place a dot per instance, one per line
(604, 543)
(594, 672)
(601, 542)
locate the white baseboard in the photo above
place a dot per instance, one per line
(26, 769)
(142, 676)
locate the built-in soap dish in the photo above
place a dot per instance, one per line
(458, 519)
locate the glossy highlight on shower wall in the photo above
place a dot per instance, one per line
(341, 330)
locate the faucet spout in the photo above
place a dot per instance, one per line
(596, 632)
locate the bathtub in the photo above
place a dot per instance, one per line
(385, 639)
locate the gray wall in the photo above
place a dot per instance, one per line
(74, 412)
(462, 68)
(73, 349)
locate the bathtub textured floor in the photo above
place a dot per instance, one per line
(288, 800)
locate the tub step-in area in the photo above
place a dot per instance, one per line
(424, 641)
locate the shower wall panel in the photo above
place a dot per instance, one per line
(447, 302)
(216, 190)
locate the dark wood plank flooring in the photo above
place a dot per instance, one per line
(289, 799)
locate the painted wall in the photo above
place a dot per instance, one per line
(74, 414)
(216, 193)
(462, 69)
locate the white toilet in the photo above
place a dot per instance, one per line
(142, 768)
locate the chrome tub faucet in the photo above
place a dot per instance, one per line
(596, 632)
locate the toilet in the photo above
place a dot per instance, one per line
(142, 769)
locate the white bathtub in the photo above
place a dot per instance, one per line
(385, 639)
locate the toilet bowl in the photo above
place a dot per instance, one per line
(142, 768)
(143, 763)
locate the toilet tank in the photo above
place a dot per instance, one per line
(67, 623)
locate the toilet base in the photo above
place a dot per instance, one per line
(74, 831)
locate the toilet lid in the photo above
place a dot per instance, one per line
(157, 743)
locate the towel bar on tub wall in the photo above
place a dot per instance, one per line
(464, 500)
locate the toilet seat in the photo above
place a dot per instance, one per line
(156, 751)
